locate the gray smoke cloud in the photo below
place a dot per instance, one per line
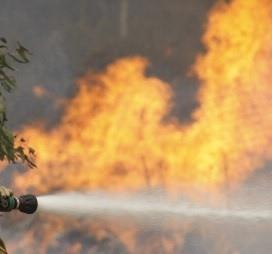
(68, 37)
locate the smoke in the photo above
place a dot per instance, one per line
(68, 37)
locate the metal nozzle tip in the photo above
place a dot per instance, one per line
(28, 204)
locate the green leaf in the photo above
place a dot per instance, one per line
(22, 53)
(4, 64)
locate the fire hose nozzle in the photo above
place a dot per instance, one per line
(26, 203)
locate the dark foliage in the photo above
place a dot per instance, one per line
(8, 149)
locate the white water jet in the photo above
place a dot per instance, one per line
(97, 204)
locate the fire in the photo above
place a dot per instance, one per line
(116, 133)
(235, 94)
(114, 136)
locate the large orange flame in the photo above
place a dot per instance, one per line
(114, 135)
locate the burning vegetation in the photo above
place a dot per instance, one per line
(116, 135)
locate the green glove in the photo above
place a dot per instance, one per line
(5, 192)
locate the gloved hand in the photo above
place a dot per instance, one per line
(5, 192)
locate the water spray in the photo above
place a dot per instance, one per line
(25, 204)
(143, 207)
